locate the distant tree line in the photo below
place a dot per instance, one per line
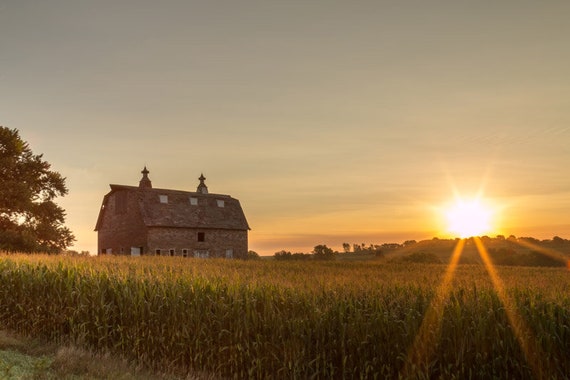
(511, 250)
(320, 252)
(555, 241)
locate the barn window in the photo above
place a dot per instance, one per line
(201, 254)
(163, 198)
(185, 252)
(220, 203)
(201, 236)
(229, 253)
(172, 251)
(194, 201)
(157, 252)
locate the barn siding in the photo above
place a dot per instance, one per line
(123, 227)
(171, 221)
(216, 241)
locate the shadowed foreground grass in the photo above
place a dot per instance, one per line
(24, 358)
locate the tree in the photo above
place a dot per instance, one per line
(282, 255)
(252, 255)
(322, 252)
(30, 220)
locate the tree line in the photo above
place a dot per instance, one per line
(512, 250)
(322, 252)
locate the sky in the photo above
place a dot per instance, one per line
(331, 121)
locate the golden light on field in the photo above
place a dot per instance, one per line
(466, 218)
(424, 346)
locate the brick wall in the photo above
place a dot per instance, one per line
(216, 242)
(122, 228)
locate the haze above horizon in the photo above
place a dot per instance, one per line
(331, 122)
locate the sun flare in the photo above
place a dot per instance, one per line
(466, 218)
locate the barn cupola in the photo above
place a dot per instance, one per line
(145, 182)
(202, 188)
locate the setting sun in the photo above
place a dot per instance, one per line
(468, 218)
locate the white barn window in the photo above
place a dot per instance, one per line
(163, 198)
(202, 254)
(194, 201)
(221, 203)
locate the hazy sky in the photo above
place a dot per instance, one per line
(331, 121)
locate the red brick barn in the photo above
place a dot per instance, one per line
(142, 220)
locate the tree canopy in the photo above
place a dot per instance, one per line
(30, 220)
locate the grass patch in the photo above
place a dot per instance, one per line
(16, 365)
(25, 358)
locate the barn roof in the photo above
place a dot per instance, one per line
(182, 209)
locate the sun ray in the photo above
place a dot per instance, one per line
(425, 341)
(552, 253)
(536, 359)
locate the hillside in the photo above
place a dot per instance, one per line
(502, 251)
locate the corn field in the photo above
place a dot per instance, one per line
(296, 320)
